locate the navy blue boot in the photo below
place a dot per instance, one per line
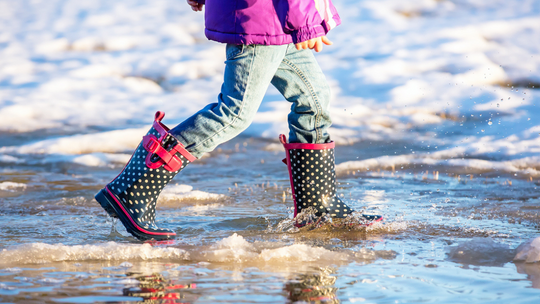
(133, 194)
(313, 183)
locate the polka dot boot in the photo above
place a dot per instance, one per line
(313, 182)
(133, 194)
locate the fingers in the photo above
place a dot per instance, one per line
(311, 43)
(318, 45)
(195, 6)
(302, 45)
(314, 44)
(326, 40)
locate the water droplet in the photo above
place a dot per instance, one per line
(490, 123)
(482, 130)
(497, 105)
(529, 118)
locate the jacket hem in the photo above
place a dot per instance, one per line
(247, 39)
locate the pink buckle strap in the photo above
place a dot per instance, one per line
(153, 145)
(169, 159)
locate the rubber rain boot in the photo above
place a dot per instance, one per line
(313, 184)
(133, 194)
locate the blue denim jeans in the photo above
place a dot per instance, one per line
(249, 71)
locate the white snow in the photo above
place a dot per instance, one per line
(452, 74)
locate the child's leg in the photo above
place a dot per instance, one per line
(248, 72)
(310, 153)
(302, 82)
(132, 196)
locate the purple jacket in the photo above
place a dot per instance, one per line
(270, 22)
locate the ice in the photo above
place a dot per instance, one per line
(44, 253)
(529, 251)
(480, 252)
(185, 192)
(11, 186)
(236, 248)
(302, 253)
(233, 248)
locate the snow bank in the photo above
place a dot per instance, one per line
(453, 74)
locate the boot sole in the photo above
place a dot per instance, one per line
(113, 208)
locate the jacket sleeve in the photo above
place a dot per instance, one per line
(306, 19)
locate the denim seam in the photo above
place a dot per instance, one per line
(241, 106)
(313, 95)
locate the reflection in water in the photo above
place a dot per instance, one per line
(155, 288)
(532, 270)
(313, 288)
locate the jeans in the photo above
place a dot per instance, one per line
(249, 70)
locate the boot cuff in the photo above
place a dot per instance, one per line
(288, 146)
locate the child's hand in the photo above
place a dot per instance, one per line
(315, 43)
(195, 6)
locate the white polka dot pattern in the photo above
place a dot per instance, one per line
(139, 186)
(314, 180)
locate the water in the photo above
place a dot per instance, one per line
(444, 237)
(431, 130)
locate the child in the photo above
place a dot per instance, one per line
(267, 42)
